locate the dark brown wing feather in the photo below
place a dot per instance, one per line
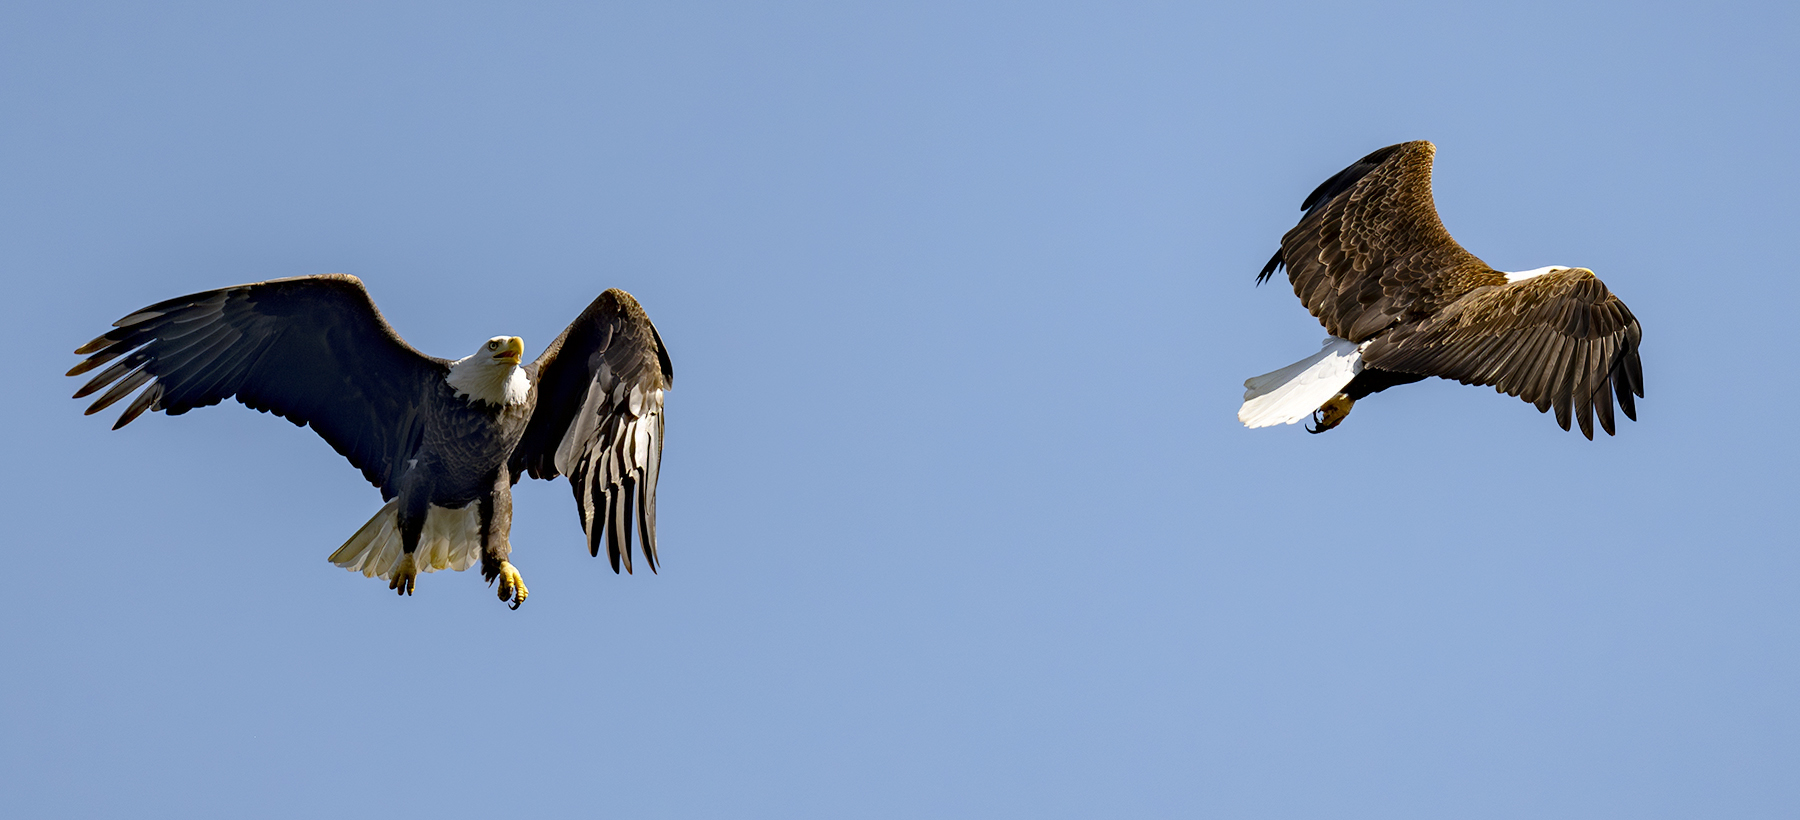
(599, 420)
(1371, 251)
(1560, 339)
(312, 349)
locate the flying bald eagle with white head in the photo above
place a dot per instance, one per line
(443, 440)
(1403, 301)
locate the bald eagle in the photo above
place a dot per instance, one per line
(443, 440)
(1403, 301)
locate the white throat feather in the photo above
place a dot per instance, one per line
(480, 378)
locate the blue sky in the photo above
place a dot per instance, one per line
(956, 517)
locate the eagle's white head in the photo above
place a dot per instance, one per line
(493, 374)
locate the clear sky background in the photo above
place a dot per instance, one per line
(956, 515)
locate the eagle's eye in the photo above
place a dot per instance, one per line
(493, 345)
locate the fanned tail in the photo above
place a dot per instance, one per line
(451, 540)
(1292, 393)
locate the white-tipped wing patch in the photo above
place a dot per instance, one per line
(1522, 275)
(614, 454)
(451, 540)
(582, 429)
(599, 422)
(1294, 392)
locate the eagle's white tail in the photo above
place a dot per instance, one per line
(451, 540)
(1294, 392)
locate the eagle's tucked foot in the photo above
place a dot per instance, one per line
(406, 575)
(1331, 413)
(512, 587)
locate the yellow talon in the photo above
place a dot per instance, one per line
(1331, 413)
(512, 586)
(406, 575)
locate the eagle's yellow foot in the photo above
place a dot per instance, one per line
(405, 576)
(1331, 413)
(512, 587)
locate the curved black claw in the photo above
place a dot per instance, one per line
(512, 586)
(1331, 413)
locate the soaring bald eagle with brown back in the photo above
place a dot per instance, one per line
(443, 440)
(1403, 301)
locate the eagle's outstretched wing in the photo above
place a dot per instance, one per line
(1560, 339)
(311, 349)
(1371, 251)
(599, 421)
(1374, 263)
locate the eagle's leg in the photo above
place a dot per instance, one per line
(1331, 413)
(495, 512)
(412, 524)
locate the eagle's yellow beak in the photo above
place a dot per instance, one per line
(511, 350)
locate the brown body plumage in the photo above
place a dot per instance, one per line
(1373, 262)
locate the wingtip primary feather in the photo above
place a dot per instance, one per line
(138, 318)
(646, 525)
(122, 389)
(85, 366)
(98, 342)
(1275, 263)
(147, 400)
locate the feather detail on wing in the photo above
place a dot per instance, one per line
(599, 421)
(1371, 251)
(311, 349)
(1558, 340)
